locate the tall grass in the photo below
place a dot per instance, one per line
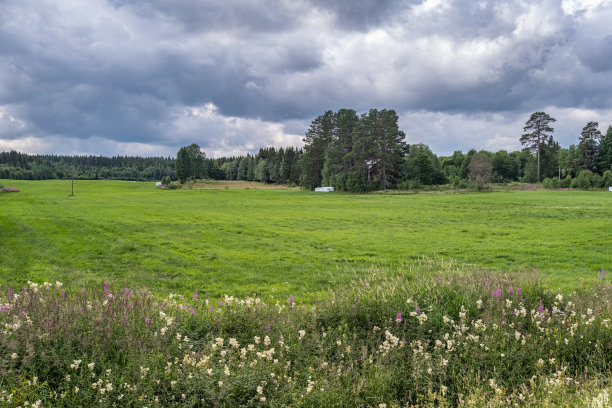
(458, 339)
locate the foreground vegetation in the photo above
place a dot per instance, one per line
(442, 337)
(285, 242)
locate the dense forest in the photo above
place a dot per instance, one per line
(352, 152)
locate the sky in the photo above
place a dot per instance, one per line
(145, 77)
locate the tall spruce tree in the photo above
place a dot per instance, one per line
(588, 147)
(537, 129)
(317, 138)
(604, 159)
(183, 164)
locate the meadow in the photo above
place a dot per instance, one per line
(265, 242)
(126, 295)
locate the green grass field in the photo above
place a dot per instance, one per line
(243, 241)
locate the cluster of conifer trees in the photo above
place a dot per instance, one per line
(352, 152)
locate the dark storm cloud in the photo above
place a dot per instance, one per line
(598, 57)
(359, 15)
(239, 74)
(235, 15)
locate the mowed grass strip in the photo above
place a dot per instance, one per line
(245, 241)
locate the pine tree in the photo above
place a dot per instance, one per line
(538, 129)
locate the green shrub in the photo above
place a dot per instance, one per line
(413, 184)
(551, 183)
(166, 181)
(566, 182)
(607, 179)
(584, 180)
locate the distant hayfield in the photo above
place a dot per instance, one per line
(234, 185)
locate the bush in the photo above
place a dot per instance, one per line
(166, 181)
(586, 180)
(413, 184)
(607, 179)
(551, 182)
(566, 182)
(458, 182)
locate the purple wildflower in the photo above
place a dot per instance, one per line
(147, 320)
(291, 300)
(220, 303)
(496, 293)
(518, 290)
(417, 310)
(63, 292)
(510, 291)
(195, 296)
(486, 284)
(398, 317)
(540, 308)
(83, 291)
(210, 309)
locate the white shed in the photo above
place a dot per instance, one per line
(324, 189)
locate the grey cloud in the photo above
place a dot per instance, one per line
(128, 69)
(360, 15)
(598, 57)
(237, 15)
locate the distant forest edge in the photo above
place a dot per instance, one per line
(352, 153)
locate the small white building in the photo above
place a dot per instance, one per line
(324, 189)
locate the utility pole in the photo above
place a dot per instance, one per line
(72, 194)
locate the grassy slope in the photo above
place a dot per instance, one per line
(244, 241)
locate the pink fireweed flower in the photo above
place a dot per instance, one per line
(398, 317)
(510, 291)
(220, 303)
(518, 290)
(195, 296)
(496, 293)
(147, 320)
(210, 309)
(291, 300)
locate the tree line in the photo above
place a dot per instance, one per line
(15, 165)
(352, 152)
